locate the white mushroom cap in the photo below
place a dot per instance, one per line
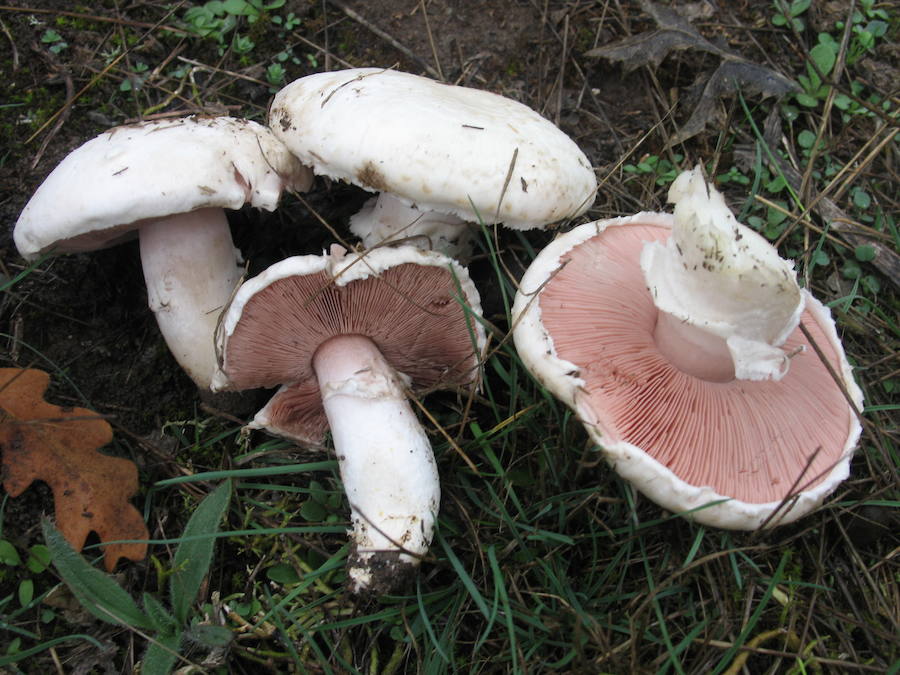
(132, 173)
(441, 147)
(585, 327)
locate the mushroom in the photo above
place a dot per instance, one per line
(348, 336)
(439, 155)
(701, 391)
(170, 179)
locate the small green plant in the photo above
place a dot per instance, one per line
(252, 9)
(210, 21)
(55, 40)
(772, 225)
(853, 269)
(850, 106)
(17, 573)
(242, 44)
(290, 22)
(36, 561)
(275, 74)
(860, 197)
(822, 59)
(791, 13)
(733, 175)
(806, 139)
(868, 24)
(135, 80)
(662, 170)
(104, 598)
(322, 505)
(217, 19)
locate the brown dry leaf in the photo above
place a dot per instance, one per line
(675, 33)
(40, 441)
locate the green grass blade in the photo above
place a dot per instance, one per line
(507, 609)
(750, 627)
(27, 653)
(429, 629)
(193, 557)
(464, 577)
(698, 539)
(245, 473)
(97, 592)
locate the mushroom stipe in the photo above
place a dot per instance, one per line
(349, 337)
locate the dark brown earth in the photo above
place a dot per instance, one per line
(84, 318)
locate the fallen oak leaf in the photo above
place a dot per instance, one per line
(730, 77)
(675, 33)
(41, 441)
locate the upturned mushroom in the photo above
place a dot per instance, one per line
(440, 156)
(171, 180)
(348, 337)
(677, 341)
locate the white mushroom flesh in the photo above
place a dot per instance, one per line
(387, 219)
(730, 300)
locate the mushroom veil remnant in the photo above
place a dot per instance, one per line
(347, 336)
(439, 155)
(676, 340)
(171, 180)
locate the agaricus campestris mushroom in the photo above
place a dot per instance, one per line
(171, 180)
(439, 155)
(701, 391)
(348, 336)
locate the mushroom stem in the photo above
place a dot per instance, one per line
(385, 459)
(692, 350)
(719, 277)
(387, 219)
(190, 267)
